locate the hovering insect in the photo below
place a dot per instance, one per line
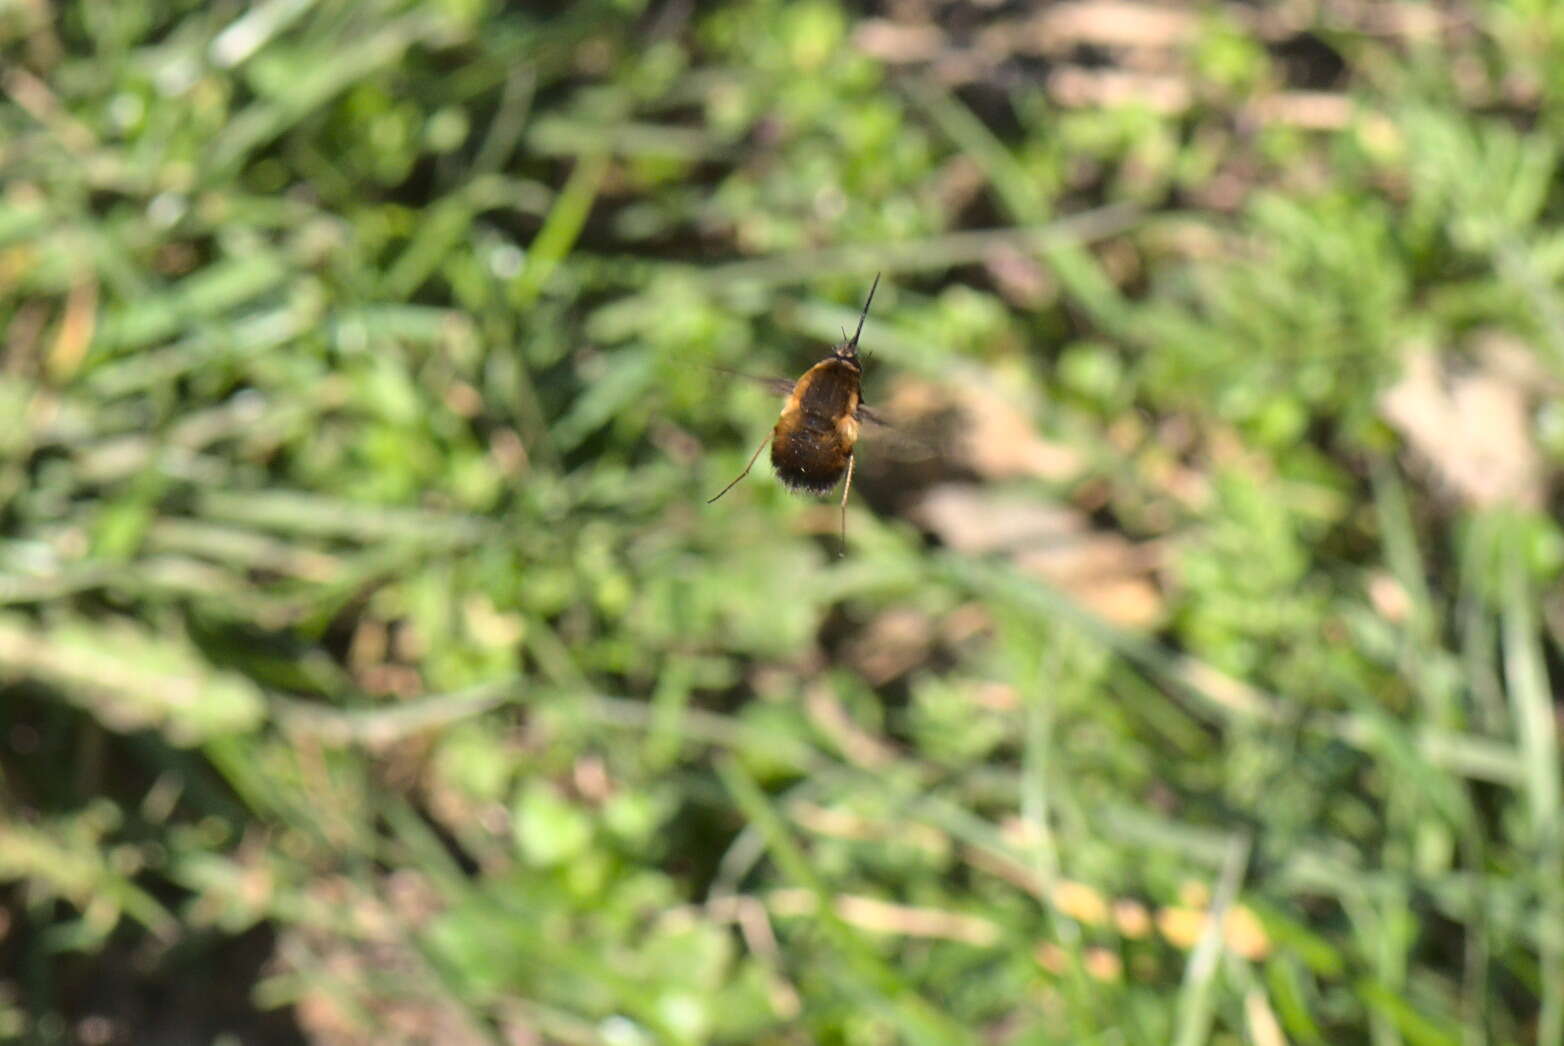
(813, 440)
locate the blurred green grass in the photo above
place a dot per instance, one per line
(373, 671)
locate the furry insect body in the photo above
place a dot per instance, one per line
(813, 440)
(812, 443)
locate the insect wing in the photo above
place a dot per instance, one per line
(905, 438)
(780, 386)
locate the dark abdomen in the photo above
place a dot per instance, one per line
(813, 441)
(808, 454)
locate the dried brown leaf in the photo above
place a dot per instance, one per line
(1075, 87)
(894, 643)
(1110, 23)
(899, 42)
(992, 435)
(1105, 572)
(1471, 429)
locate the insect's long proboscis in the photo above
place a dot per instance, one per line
(865, 314)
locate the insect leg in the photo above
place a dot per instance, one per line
(847, 489)
(751, 465)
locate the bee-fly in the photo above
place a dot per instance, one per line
(813, 440)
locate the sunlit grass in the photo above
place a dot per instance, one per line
(373, 666)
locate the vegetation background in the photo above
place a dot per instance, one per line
(372, 671)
